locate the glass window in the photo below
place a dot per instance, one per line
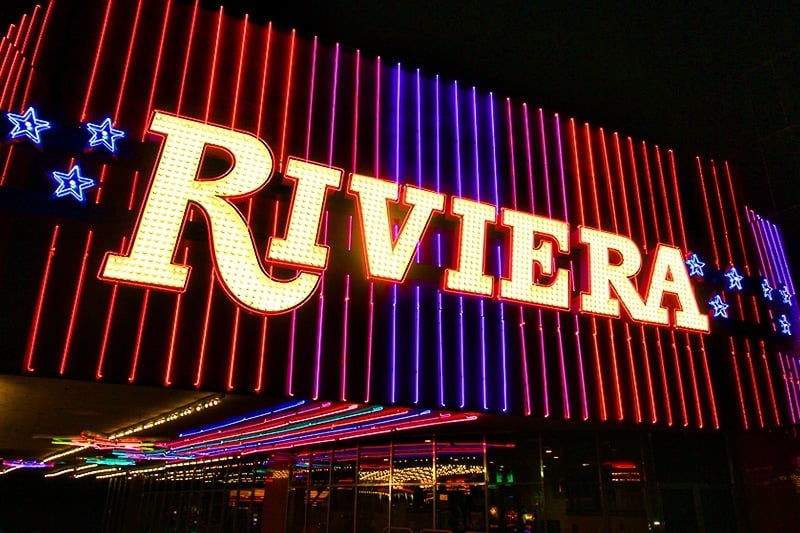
(459, 462)
(344, 466)
(373, 464)
(372, 508)
(513, 462)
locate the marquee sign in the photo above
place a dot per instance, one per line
(612, 261)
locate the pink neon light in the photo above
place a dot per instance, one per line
(667, 208)
(187, 56)
(151, 98)
(96, 60)
(579, 188)
(204, 337)
(262, 350)
(75, 303)
(376, 163)
(175, 319)
(709, 388)
(237, 312)
(621, 176)
(353, 164)
(525, 378)
(109, 319)
(499, 255)
(653, 411)
(562, 366)
(286, 103)
(139, 332)
(212, 75)
(463, 399)
(738, 383)
(545, 392)
(439, 331)
(681, 392)
(419, 250)
(41, 33)
(51, 252)
(789, 390)
(481, 312)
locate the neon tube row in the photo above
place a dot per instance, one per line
(363, 340)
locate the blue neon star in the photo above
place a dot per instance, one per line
(720, 307)
(766, 289)
(786, 295)
(695, 266)
(786, 326)
(27, 125)
(734, 279)
(104, 134)
(72, 183)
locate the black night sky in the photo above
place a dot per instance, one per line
(720, 81)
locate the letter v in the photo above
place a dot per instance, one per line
(389, 257)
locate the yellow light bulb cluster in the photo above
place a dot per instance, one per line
(300, 247)
(389, 257)
(469, 276)
(523, 284)
(613, 261)
(668, 276)
(174, 186)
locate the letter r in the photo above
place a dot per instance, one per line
(174, 186)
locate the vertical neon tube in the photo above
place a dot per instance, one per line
(75, 302)
(107, 330)
(262, 350)
(353, 165)
(287, 97)
(654, 214)
(562, 365)
(417, 302)
(481, 305)
(237, 311)
(439, 330)
(640, 210)
(212, 276)
(462, 397)
(789, 389)
(685, 242)
(377, 164)
(579, 351)
(37, 314)
(579, 188)
(393, 396)
(614, 365)
(175, 320)
(542, 351)
(612, 202)
(499, 260)
(523, 346)
(667, 208)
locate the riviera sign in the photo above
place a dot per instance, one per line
(611, 263)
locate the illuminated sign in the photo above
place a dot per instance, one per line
(611, 263)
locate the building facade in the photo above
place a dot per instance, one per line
(465, 313)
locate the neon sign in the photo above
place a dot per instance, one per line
(611, 263)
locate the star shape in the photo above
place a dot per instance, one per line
(786, 326)
(72, 183)
(734, 279)
(27, 125)
(766, 289)
(786, 295)
(720, 307)
(104, 134)
(695, 266)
